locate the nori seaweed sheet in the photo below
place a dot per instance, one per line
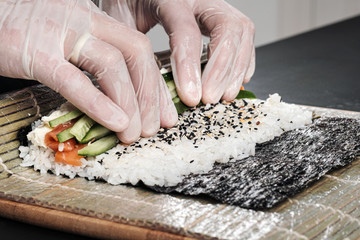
(280, 168)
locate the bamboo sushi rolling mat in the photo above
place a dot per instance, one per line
(329, 208)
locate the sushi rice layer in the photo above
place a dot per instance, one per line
(211, 133)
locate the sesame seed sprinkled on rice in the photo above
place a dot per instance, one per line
(203, 135)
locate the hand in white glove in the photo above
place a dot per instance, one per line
(231, 49)
(44, 39)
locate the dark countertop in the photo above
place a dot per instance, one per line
(318, 68)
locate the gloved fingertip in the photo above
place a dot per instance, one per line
(187, 75)
(229, 96)
(118, 124)
(169, 117)
(248, 77)
(233, 89)
(132, 133)
(210, 97)
(150, 120)
(128, 139)
(246, 80)
(190, 93)
(111, 116)
(214, 84)
(250, 71)
(150, 131)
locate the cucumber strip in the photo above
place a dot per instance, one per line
(97, 131)
(64, 135)
(173, 94)
(179, 105)
(172, 88)
(81, 127)
(100, 146)
(168, 76)
(65, 118)
(171, 85)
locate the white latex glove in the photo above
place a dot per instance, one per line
(231, 49)
(47, 40)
